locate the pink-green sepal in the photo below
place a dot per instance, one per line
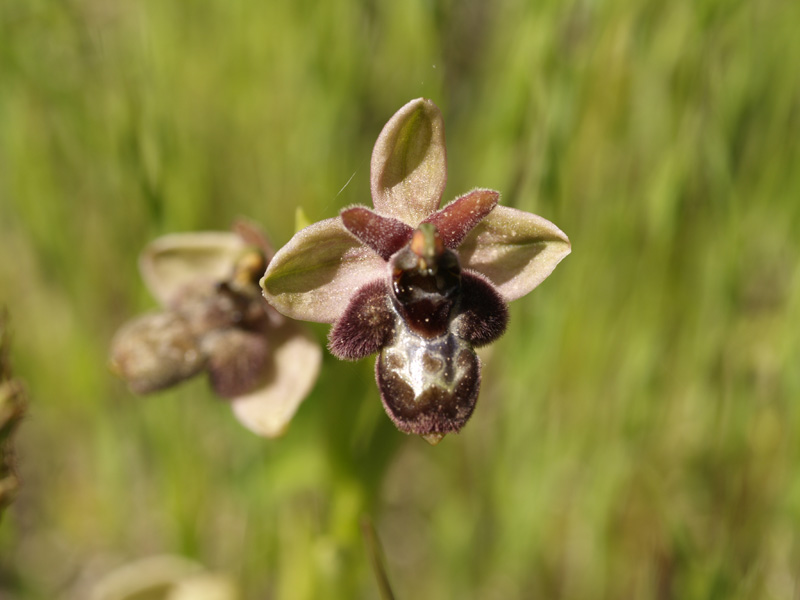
(515, 249)
(408, 171)
(171, 262)
(315, 274)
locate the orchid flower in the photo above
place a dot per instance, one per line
(214, 319)
(419, 285)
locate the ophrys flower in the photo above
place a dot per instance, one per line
(421, 286)
(214, 319)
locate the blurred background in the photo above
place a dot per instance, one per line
(637, 431)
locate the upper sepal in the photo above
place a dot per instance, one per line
(315, 274)
(516, 250)
(408, 171)
(171, 262)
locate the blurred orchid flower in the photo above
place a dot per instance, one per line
(420, 286)
(214, 319)
(162, 577)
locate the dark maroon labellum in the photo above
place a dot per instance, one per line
(428, 385)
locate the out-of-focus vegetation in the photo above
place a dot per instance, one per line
(12, 411)
(637, 432)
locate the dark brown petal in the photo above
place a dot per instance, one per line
(237, 360)
(483, 314)
(383, 234)
(366, 325)
(458, 218)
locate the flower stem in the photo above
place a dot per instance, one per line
(375, 553)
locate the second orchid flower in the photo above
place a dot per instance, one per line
(213, 320)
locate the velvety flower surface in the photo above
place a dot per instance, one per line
(422, 286)
(214, 319)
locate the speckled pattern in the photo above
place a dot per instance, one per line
(428, 385)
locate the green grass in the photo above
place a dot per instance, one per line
(637, 433)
